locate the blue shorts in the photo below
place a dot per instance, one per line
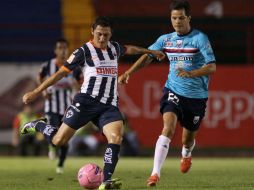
(189, 111)
(86, 108)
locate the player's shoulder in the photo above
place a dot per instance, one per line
(48, 62)
(166, 37)
(113, 43)
(199, 34)
(84, 45)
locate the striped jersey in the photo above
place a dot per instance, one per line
(60, 93)
(100, 70)
(190, 51)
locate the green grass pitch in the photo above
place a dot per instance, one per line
(32, 173)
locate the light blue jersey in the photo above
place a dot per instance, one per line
(190, 52)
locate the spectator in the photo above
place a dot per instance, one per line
(23, 142)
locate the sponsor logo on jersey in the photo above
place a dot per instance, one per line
(181, 64)
(168, 44)
(106, 71)
(179, 43)
(180, 58)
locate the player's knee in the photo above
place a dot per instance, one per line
(115, 138)
(168, 129)
(58, 141)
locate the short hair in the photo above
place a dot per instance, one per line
(102, 21)
(62, 40)
(181, 4)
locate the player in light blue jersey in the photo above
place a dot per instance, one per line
(185, 95)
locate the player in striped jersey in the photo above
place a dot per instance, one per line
(58, 96)
(186, 90)
(98, 99)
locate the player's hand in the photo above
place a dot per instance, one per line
(182, 73)
(123, 79)
(29, 97)
(158, 54)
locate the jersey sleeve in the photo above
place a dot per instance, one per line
(158, 45)
(120, 49)
(77, 74)
(76, 59)
(206, 49)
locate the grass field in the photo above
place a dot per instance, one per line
(207, 173)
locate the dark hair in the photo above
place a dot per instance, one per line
(62, 40)
(180, 4)
(102, 21)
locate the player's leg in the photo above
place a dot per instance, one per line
(51, 134)
(162, 146)
(23, 145)
(170, 112)
(113, 132)
(193, 113)
(63, 135)
(63, 150)
(188, 140)
(52, 119)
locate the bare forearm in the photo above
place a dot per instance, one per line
(203, 71)
(50, 81)
(133, 50)
(143, 61)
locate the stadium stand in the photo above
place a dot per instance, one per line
(28, 30)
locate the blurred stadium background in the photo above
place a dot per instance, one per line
(28, 30)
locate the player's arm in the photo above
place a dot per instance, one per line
(203, 71)
(40, 80)
(133, 50)
(30, 96)
(41, 76)
(143, 61)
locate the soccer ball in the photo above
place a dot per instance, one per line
(90, 176)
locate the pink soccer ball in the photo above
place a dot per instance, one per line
(90, 176)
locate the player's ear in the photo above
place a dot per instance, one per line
(92, 31)
(189, 17)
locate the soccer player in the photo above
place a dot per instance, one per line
(57, 97)
(185, 94)
(98, 99)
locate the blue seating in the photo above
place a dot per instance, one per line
(28, 29)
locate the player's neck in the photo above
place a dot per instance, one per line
(59, 62)
(186, 32)
(97, 45)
